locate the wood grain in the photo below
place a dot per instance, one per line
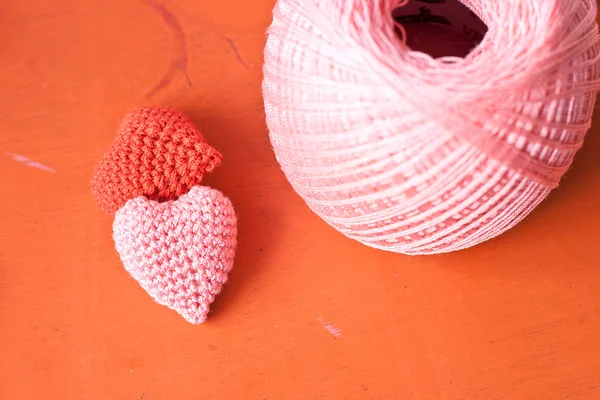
(308, 314)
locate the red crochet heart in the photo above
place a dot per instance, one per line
(158, 153)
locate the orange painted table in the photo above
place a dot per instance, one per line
(308, 314)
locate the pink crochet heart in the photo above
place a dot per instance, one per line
(179, 251)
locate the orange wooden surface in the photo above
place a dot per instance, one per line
(308, 314)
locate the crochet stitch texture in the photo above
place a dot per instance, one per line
(179, 251)
(158, 153)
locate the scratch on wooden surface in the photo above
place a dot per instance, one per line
(143, 396)
(180, 58)
(331, 328)
(30, 163)
(236, 51)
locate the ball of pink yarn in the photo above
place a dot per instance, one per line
(421, 154)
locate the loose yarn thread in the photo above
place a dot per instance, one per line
(420, 155)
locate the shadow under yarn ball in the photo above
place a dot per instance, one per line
(424, 127)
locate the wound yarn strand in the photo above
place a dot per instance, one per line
(417, 154)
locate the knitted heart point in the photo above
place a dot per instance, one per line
(158, 153)
(179, 251)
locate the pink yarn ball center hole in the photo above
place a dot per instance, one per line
(440, 28)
